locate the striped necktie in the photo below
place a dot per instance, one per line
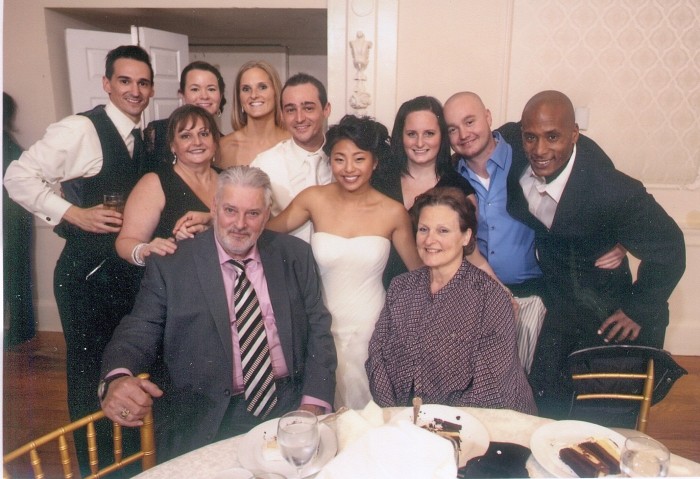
(258, 378)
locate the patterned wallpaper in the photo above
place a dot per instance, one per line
(634, 63)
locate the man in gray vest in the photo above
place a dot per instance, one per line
(89, 155)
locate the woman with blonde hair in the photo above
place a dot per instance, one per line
(256, 117)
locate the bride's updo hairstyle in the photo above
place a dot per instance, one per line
(366, 133)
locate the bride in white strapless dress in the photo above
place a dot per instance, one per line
(355, 226)
(351, 277)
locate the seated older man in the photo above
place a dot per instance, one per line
(203, 307)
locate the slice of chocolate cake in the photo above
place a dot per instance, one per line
(592, 458)
(446, 429)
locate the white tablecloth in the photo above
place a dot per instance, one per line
(502, 425)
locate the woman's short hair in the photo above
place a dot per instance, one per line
(245, 176)
(366, 133)
(207, 67)
(399, 157)
(187, 115)
(239, 118)
(457, 201)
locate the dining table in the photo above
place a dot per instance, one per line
(502, 425)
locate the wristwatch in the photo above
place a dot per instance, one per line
(104, 384)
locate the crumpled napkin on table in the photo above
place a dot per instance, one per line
(394, 450)
(352, 424)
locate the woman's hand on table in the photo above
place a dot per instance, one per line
(129, 399)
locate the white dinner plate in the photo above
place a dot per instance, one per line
(474, 436)
(233, 473)
(250, 451)
(547, 440)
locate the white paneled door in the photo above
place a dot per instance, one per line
(169, 55)
(86, 51)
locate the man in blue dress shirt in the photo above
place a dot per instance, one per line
(484, 158)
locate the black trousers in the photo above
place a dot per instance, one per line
(93, 292)
(549, 376)
(238, 420)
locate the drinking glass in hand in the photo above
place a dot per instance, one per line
(114, 202)
(298, 437)
(644, 457)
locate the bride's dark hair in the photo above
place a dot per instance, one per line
(366, 133)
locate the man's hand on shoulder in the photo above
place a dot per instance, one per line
(94, 220)
(129, 399)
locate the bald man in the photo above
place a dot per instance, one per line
(580, 207)
(484, 159)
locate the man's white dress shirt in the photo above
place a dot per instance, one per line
(69, 149)
(543, 197)
(292, 169)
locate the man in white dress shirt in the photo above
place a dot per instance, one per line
(89, 155)
(299, 162)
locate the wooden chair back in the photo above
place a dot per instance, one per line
(146, 454)
(623, 373)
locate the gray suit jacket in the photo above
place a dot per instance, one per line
(180, 324)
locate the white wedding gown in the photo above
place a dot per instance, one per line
(351, 277)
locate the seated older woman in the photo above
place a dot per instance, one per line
(447, 331)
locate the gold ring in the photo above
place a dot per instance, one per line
(125, 413)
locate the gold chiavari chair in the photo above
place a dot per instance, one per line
(146, 454)
(607, 377)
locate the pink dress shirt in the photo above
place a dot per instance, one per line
(256, 275)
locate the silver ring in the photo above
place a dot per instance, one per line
(125, 413)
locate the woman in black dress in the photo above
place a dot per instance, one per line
(201, 84)
(159, 205)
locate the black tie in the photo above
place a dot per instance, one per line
(139, 154)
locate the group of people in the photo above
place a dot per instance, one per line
(397, 279)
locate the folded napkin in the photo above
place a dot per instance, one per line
(353, 424)
(395, 450)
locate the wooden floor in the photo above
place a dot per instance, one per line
(34, 399)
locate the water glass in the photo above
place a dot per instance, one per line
(298, 438)
(644, 457)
